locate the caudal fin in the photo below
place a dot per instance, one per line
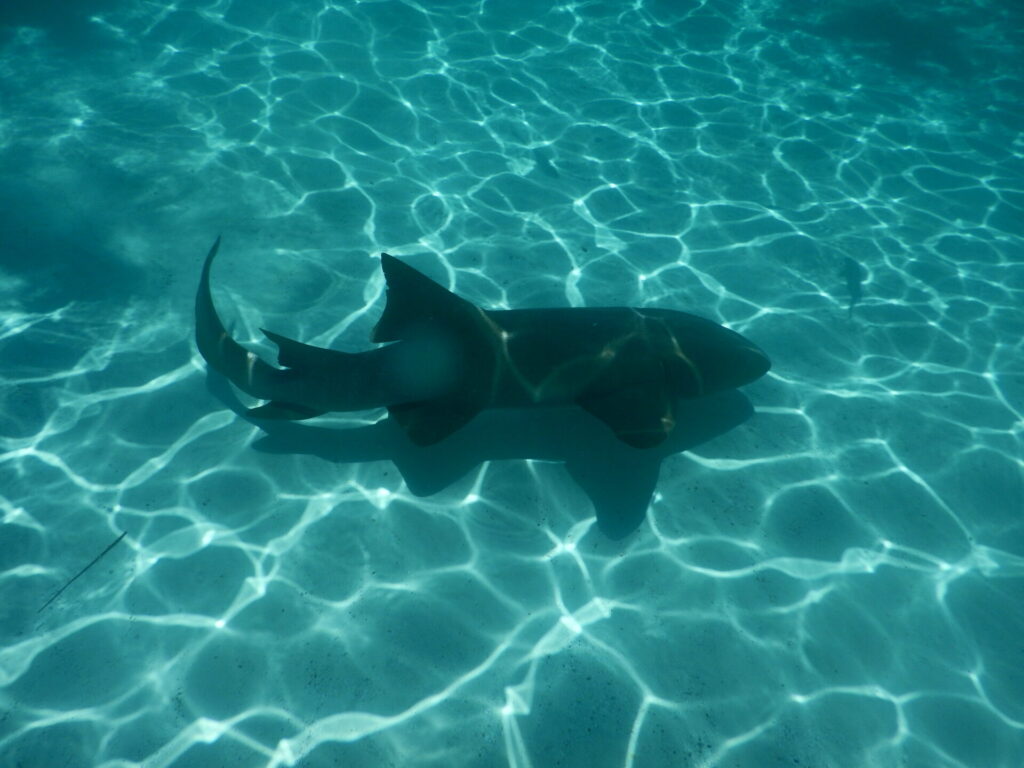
(230, 359)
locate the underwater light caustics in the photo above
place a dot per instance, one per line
(445, 360)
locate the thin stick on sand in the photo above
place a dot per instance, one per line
(95, 560)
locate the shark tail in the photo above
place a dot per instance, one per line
(241, 367)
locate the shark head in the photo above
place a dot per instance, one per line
(710, 358)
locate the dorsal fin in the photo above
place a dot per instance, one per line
(414, 299)
(295, 354)
(418, 308)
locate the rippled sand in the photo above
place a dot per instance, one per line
(835, 581)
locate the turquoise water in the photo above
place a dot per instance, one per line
(837, 580)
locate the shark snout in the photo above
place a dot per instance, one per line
(732, 365)
(756, 362)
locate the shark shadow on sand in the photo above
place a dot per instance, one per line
(618, 479)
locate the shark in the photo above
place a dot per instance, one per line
(441, 360)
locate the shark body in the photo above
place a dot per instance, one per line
(446, 360)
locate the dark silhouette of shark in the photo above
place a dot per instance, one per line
(451, 360)
(639, 371)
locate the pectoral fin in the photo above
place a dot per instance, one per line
(640, 415)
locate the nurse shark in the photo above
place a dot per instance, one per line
(445, 361)
(450, 359)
